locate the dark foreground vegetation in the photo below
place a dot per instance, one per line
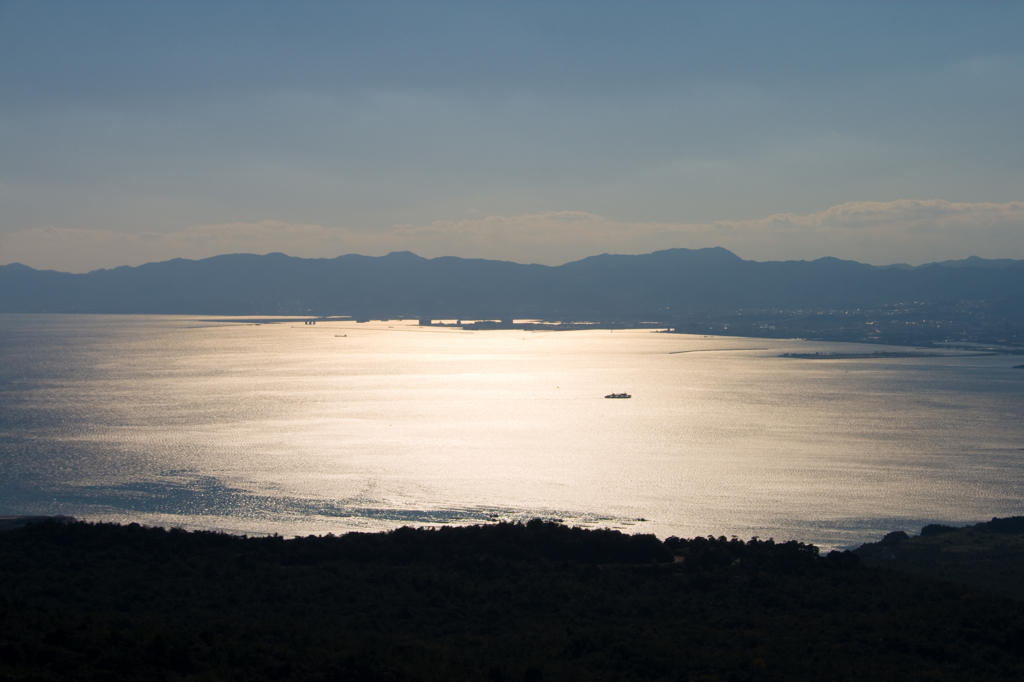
(499, 602)
(988, 555)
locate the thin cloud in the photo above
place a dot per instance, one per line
(913, 231)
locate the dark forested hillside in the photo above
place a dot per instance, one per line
(498, 602)
(988, 555)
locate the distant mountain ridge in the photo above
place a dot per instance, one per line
(654, 286)
(969, 262)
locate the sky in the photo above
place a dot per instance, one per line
(536, 132)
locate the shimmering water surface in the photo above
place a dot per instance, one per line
(298, 429)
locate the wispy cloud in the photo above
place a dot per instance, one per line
(913, 231)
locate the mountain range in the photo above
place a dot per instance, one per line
(659, 286)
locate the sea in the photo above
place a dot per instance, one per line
(263, 426)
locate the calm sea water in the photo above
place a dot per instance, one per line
(298, 429)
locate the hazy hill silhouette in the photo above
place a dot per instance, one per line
(653, 286)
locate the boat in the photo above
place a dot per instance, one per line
(618, 395)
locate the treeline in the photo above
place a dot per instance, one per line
(501, 602)
(986, 555)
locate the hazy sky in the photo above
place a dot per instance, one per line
(527, 131)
